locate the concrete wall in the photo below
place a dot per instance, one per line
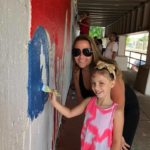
(14, 37)
(147, 90)
(32, 31)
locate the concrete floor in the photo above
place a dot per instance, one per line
(142, 137)
(69, 135)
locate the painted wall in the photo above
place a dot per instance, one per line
(35, 43)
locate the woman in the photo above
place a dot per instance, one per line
(85, 54)
(82, 67)
(112, 47)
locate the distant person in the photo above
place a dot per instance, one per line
(96, 40)
(103, 124)
(84, 24)
(100, 45)
(112, 47)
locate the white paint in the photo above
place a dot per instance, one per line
(52, 85)
(43, 65)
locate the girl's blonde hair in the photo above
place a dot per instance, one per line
(118, 72)
(102, 66)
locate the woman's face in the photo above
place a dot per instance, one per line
(83, 61)
(112, 37)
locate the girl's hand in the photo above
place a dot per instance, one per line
(124, 145)
(52, 96)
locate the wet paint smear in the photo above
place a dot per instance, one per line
(38, 59)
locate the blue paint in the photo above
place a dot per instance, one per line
(37, 98)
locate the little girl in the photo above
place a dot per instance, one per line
(103, 123)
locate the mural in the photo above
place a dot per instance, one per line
(38, 72)
(55, 17)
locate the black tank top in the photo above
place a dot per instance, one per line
(84, 92)
(131, 100)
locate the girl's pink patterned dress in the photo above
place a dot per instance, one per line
(98, 126)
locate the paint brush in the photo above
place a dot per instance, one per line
(47, 89)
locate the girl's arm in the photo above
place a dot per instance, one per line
(118, 129)
(67, 112)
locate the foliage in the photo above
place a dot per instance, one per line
(137, 42)
(96, 31)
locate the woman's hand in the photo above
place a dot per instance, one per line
(124, 145)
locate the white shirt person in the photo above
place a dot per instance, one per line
(112, 47)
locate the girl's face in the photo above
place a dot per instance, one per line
(83, 60)
(101, 85)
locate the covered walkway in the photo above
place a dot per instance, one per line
(35, 45)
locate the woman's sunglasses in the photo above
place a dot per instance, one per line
(86, 52)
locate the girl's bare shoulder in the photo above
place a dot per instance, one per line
(86, 101)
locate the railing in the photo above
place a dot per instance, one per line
(135, 59)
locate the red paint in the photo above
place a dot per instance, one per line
(51, 15)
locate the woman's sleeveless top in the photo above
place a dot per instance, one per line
(97, 129)
(131, 100)
(84, 92)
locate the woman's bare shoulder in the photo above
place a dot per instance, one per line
(118, 92)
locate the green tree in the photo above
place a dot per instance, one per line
(96, 31)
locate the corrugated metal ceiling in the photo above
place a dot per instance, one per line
(105, 12)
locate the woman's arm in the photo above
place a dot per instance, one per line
(67, 112)
(118, 93)
(114, 54)
(117, 129)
